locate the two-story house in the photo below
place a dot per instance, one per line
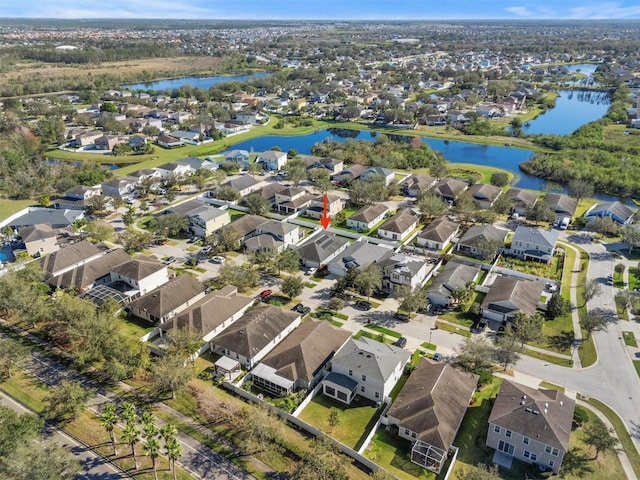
(454, 276)
(616, 211)
(334, 203)
(272, 160)
(274, 235)
(485, 195)
(319, 250)
(349, 174)
(400, 226)
(532, 425)
(401, 269)
(241, 157)
(438, 234)
(387, 174)
(40, 240)
(174, 169)
(78, 198)
(364, 367)
(141, 274)
(367, 216)
(205, 219)
(416, 184)
(292, 200)
(119, 187)
(477, 237)
(521, 200)
(530, 243)
(334, 165)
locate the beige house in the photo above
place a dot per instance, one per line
(335, 204)
(205, 220)
(39, 239)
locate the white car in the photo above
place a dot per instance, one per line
(218, 259)
(312, 270)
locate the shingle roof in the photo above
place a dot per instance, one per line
(450, 187)
(522, 197)
(247, 224)
(70, 255)
(277, 227)
(47, 216)
(535, 236)
(433, 401)
(522, 409)
(508, 294)
(263, 241)
(483, 191)
(86, 274)
(401, 221)
(482, 232)
(206, 212)
(321, 247)
(369, 357)
(241, 183)
(561, 203)
(34, 233)
(454, 275)
(418, 182)
(439, 230)
(168, 297)
(616, 208)
(255, 330)
(137, 268)
(368, 213)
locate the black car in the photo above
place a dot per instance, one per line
(362, 305)
(401, 342)
(301, 309)
(402, 317)
(298, 308)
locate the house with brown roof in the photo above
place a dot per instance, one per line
(70, 257)
(485, 195)
(335, 204)
(563, 205)
(367, 216)
(142, 274)
(299, 361)
(349, 174)
(521, 200)
(473, 241)
(268, 192)
(448, 189)
(249, 339)
(292, 200)
(532, 425)
(438, 234)
(429, 409)
(40, 239)
(416, 184)
(168, 300)
(508, 296)
(400, 226)
(246, 225)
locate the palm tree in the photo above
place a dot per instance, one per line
(150, 429)
(168, 432)
(152, 449)
(131, 436)
(129, 414)
(174, 450)
(109, 419)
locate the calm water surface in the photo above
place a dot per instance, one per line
(199, 82)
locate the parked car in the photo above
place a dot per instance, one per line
(362, 305)
(217, 259)
(301, 309)
(265, 293)
(205, 250)
(170, 260)
(401, 342)
(161, 241)
(402, 317)
(437, 357)
(610, 280)
(636, 290)
(312, 270)
(193, 240)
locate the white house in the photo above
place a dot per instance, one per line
(272, 159)
(401, 269)
(387, 174)
(400, 226)
(142, 275)
(367, 216)
(438, 234)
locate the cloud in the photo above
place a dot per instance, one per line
(606, 10)
(520, 11)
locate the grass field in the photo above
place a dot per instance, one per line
(9, 207)
(629, 339)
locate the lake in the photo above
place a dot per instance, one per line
(198, 82)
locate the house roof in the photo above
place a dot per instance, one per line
(269, 191)
(361, 254)
(291, 191)
(277, 227)
(184, 207)
(85, 275)
(138, 268)
(453, 276)
(34, 233)
(235, 153)
(522, 197)
(70, 255)
(450, 187)
(263, 241)
(206, 212)
(401, 222)
(172, 166)
(247, 224)
(255, 330)
(272, 155)
(48, 216)
(402, 264)
(482, 232)
(241, 183)
(306, 350)
(543, 415)
(433, 401)
(354, 170)
(616, 208)
(417, 181)
(439, 230)
(385, 172)
(561, 203)
(166, 298)
(371, 358)
(535, 236)
(211, 311)
(369, 212)
(321, 247)
(120, 182)
(508, 294)
(483, 191)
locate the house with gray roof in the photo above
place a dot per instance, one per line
(416, 184)
(334, 165)
(359, 254)
(70, 257)
(243, 184)
(367, 368)
(449, 189)
(616, 211)
(46, 216)
(141, 274)
(246, 225)
(401, 269)
(349, 174)
(532, 425)
(388, 175)
(485, 195)
(292, 199)
(400, 226)
(299, 361)
(240, 157)
(476, 238)
(438, 234)
(119, 187)
(367, 216)
(264, 243)
(206, 219)
(508, 296)
(531, 243)
(40, 240)
(455, 275)
(287, 233)
(272, 160)
(429, 409)
(521, 200)
(319, 250)
(78, 197)
(250, 338)
(174, 169)
(269, 192)
(563, 205)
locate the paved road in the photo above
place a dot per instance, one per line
(94, 466)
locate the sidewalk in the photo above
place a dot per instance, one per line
(573, 298)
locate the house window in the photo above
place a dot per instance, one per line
(496, 428)
(364, 378)
(554, 452)
(551, 463)
(547, 449)
(525, 440)
(377, 394)
(526, 454)
(351, 373)
(362, 389)
(406, 432)
(508, 433)
(534, 456)
(413, 435)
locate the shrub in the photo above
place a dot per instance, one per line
(485, 376)
(580, 417)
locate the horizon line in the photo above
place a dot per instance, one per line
(352, 20)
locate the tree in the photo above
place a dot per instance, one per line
(296, 170)
(98, 205)
(526, 327)
(499, 179)
(321, 178)
(16, 429)
(228, 239)
(336, 304)
(625, 299)
(334, 418)
(619, 268)
(475, 352)
(631, 236)
(479, 472)
(42, 460)
(99, 230)
(600, 437)
(488, 248)
(320, 462)
(431, 205)
(131, 436)
(174, 451)
(507, 351)
(593, 321)
(182, 343)
(382, 474)
(228, 194)
(257, 204)
(232, 274)
(258, 427)
(67, 400)
(465, 207)
(169, 224)
(591, 289)
(288, 260)
(152, 449)
(12, 355)
(168, 432)
(368, 280)
(580, 189)
(170, 374)
(109, 419)
(541, 212)
(603, 226)
(109, 107)
(254, 169)
(414, 301)
(217, 177)
(557, 306)
(134, 240)
(292, 286)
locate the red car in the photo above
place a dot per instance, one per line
(265, 293)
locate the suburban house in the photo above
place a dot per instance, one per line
(563, 205)
(246, 225)
(144, 174)
(530, 243)
(192, 138)
(70, 257)
(167, 141)
(241, 157)
(367, 216)
(205, 219)
(448, 189)
(616, 211)
(484, 194)
(119, 187)
(211, 314)
(196, 163)
(299, 361)
(174, 169)
(107, 142)
(78, 197)
(332, 164)
(365, 368)
(532, 425)
(400, 226)
(508, 296)
(273, 235)
(168, 300)
(319, 250)
(292, 200)
(429, 409)
(335, 204)
(521, 200)
(140, 274)
(349, 174)
(438, 234)
(55, 218)
(86, 138)
(358, 254)
(272, 160)
(454, 276)
(269, 191)
(401, 269)
(250, 338)
(416, 184)
(40, 240)
(472, 241)
(243, 185)
(387, 174)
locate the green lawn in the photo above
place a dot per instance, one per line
(450, 328)
(458, 317)
(379, 337)
(621, 309)
(355, 420)
(551, 386)
(563, 362)
(551, 271)
(134, 326)
(636, 364)
(385, 331)
(394, 455)
(630, 339)
(9, 207)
